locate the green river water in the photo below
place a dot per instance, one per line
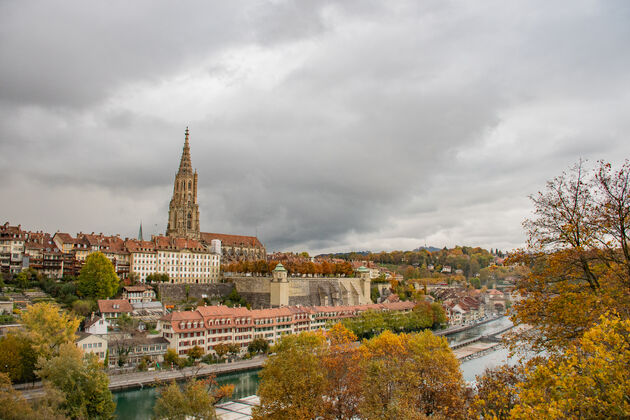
(137, 404)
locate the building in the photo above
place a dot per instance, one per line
(92, 343)
(138, 293)
(183, 210)
(130, 350)
(114, 308)
(183, 216)
(96, 325)
(237, 247)
(208, 326)
(12, 239)
(184, 260)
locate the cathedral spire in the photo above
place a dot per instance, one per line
(183, 211)
(140, 233)
(185, 165)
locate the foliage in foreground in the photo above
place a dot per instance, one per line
(388, 377)
(195, 399)
(590, 381)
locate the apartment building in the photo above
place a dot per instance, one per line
(208, 326)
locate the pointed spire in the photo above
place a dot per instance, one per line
(185, 166)
(140, 233)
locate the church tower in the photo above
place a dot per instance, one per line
(183, 211)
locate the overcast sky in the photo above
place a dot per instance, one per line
(321, 126)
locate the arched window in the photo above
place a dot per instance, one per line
(189, 185)
(189, 220)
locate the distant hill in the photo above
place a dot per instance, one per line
(428, 248)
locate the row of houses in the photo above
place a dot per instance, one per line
(207, 327)
(183, 260)
(465, 306)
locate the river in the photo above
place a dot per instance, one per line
(137, 404)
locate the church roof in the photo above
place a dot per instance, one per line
(232, 240)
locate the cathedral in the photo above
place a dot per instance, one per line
(183, 211)
(183, 217)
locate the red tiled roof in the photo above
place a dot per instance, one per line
(232, 240)
(138, 288)
(107, 306)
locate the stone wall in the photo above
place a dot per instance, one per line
(171, 293)
(303, 291)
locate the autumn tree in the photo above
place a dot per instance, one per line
(293, 382)
(195, 353)
(49, 327)
(195, 400)
(591, 380)
(221, 350)
(82, 382)
(410, 376)
(13, 406)
(97, 279)
(18, 357)
(341, 363)
(496, 392)
(171, 356)
(579, 257)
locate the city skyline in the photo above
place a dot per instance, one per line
(324, 127)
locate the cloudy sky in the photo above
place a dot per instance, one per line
(322, 126)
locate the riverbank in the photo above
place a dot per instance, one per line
(141, 379)
(454, 330)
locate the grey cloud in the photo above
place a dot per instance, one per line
(398, 122)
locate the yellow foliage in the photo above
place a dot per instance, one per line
(49, 327)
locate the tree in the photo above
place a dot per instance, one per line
(83, 307)
(49, 327)
(171, 356)
(157, 278)
(82, 382)
(18, 357)
(97, 279)
(341, 362)
(591, 380)
(578, 254)
(410, 376)
(496, 392)
(439, 315)
(221, 350)
(258, 345)
(196, 400)
(293, 382)
(195, 353)
(14, 407)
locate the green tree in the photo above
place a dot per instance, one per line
(97, 279)
(439, 315)
(258, 345)
(82, 382)
(83, 307)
